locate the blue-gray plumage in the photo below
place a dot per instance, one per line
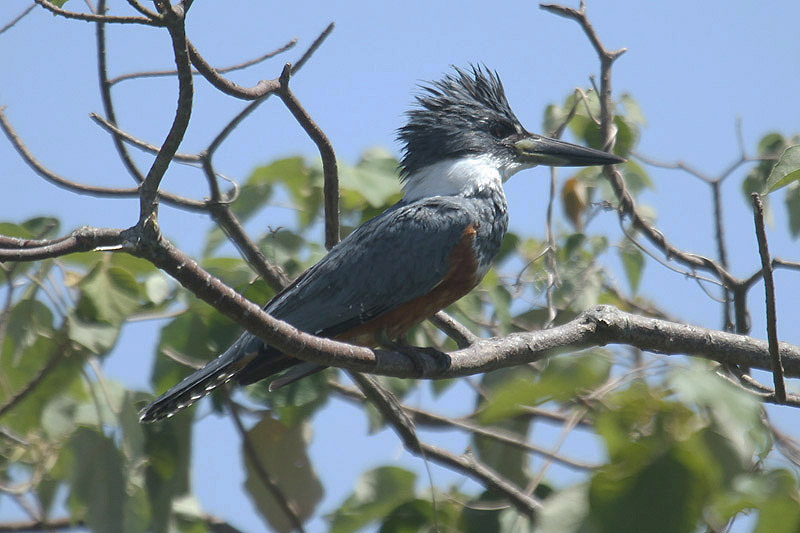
(422, 254)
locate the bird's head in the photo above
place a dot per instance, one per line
(463, 130)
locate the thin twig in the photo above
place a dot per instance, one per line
(54, 178)
(91, 17)
(147, 147)
(17, 18)
(313, 48)
(90, 190)
(20, 395)
(221, 70)
(550, 253)
(769, 289)
(453, 329)
(148, 190)
(433, 420)
(329, 166)
(466, 463)
(105, 95)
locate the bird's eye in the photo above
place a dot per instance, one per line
(500, 130)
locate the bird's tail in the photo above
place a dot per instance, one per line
(200, 383)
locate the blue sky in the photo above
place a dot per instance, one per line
(693, 67)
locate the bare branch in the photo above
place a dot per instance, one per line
(81, 240)
(16, 19)
(54, 178)
(148, 190)
(453, 329)
(45, 371)
(313, 48)
(261, 89)
(222, 70)
(432, 420)
(89, 190)
(105, 95)
(91, 17)
(329, 167)
(599, 326)
(769, 289)
(141, 9)
(147, 147)
(264, 87)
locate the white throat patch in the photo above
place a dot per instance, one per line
(454, 177)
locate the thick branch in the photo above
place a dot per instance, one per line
(81, 240)
(596, 327)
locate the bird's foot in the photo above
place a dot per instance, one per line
(414, 354)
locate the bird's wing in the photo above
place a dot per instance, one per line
(390, 260)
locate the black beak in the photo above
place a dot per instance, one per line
(538, 150)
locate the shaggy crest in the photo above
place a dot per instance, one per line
(461, 114)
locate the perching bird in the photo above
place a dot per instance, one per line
(422, 254)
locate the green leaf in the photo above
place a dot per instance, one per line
(563, 379)
(736, 414)
(786, 171)
(42, 227)
(257, 190)
(376, 493)
(254, 194)
(420, 515)
(792, 201)
(98, 483)
(156, 288)
(565, 512)
(108, 294)
(168, 449)
(29, 320)
(660, 493)
(98, 337)
(633, 262)
(295, 402)
(282, 452)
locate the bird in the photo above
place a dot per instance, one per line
(460, 143)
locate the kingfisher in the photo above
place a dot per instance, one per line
(460, 144)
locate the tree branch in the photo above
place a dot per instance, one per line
(90, 190)
(595, 327)
(105, 95)
(769, 289)
(148, 190)
(16, 19)
(221, 70)
(329, 167)
(82, 239)
(91, 17)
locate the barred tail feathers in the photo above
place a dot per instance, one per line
(198, 384)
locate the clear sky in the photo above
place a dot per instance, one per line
(694, 67)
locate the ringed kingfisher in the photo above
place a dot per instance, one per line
(461, 143)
